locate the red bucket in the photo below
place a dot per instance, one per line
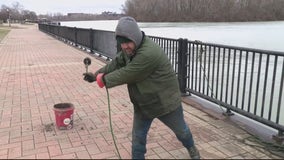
(64, 115)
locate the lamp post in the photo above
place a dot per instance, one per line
(9, 17)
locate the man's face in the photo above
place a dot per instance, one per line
(128, 47)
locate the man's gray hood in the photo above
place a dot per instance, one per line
(128, 27)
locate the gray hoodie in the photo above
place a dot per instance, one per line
(128, 27)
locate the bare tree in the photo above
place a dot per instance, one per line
(205, 10)
(16, 13)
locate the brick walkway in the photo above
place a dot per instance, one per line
(38, 71)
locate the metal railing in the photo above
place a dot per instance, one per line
(244, 80)
(247, 81)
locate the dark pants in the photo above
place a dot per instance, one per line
(174, 120)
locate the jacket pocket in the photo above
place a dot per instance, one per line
(148, 100)
(150, 105)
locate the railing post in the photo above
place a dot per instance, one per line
(182, 66)
(58, 32)
(91, 40)
(75, 32)
(279, 138)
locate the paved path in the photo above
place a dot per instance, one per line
(38, 71)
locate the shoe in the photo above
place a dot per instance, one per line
(193, 152)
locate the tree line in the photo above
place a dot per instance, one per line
(204, 10)
(81, 16)
(167, 11)
(16, 13)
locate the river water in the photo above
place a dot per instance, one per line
(258, 35)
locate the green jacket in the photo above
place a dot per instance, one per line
(152, 84)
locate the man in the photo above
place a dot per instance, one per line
(152, 85)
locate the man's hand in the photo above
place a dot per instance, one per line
(89, 77)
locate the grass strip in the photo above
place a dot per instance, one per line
(3, 33)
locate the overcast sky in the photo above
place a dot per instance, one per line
(68, 6)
